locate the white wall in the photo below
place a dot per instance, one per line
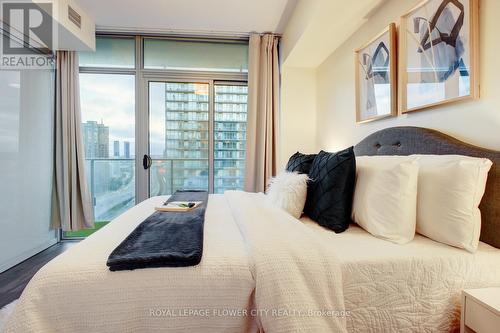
(309, 37)
(297, 131)
(317, 27)
(298, 116)
(477, 122)
(26, 159)
(303, 14)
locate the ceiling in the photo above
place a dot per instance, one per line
(316, 25)
(209, 16)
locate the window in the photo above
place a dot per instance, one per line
(195, 56)
(108, 117)
(191, 121)
(26, 161)
(110, 53)
(108, 128)
(230, 136)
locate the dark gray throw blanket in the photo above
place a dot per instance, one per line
(164, 239)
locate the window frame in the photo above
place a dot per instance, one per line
(144, 76)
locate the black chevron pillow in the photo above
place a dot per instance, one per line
(331, 189)
(300, 163)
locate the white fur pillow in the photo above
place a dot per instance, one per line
(288, 190)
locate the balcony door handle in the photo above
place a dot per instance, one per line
(146, 162)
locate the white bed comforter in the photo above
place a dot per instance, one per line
(414, 287)
(298, 280)
(257, 260)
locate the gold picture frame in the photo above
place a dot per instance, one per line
(376, 77)
(438, 54)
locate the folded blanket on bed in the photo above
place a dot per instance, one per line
(164, 239)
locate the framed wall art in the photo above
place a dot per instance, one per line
(438, 54)
(376, 77)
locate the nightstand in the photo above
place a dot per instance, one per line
(480, 310)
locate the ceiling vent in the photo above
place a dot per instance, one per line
(74, 17)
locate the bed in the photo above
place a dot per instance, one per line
(412, 288)
(256, 257)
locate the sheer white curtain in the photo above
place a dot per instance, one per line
(72, 206)
(263, 94)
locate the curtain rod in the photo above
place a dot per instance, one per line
(178, 33)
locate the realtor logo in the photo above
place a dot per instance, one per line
(27, 35)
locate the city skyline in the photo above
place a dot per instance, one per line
(117, 151)
(97, 142)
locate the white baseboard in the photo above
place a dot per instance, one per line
(26, 254)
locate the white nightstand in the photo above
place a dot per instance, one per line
(480, 310)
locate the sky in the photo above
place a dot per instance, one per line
(110, 98)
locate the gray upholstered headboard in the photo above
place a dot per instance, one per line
(417, 140)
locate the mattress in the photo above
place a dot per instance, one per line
(406, 288)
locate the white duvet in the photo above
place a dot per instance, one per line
(76, 292)
(414, 287)
(250, 247)
(261, 270)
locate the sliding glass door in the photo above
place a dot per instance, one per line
(197, 136)
(178, 137)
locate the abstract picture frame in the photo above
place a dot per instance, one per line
(376, 77)
(438, 54)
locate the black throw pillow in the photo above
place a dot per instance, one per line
(300, 163)
(331, 189)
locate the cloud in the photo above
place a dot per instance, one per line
(110, 98)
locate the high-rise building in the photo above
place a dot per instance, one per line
(96, 140)
(187, 135)
(126, 149)
(230, 126)
(96, 143)
(116, 148)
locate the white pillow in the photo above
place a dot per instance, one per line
(450, 190)
(385, 197)
(288, 190)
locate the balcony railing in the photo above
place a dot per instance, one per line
(112, 180)
(112, 185)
